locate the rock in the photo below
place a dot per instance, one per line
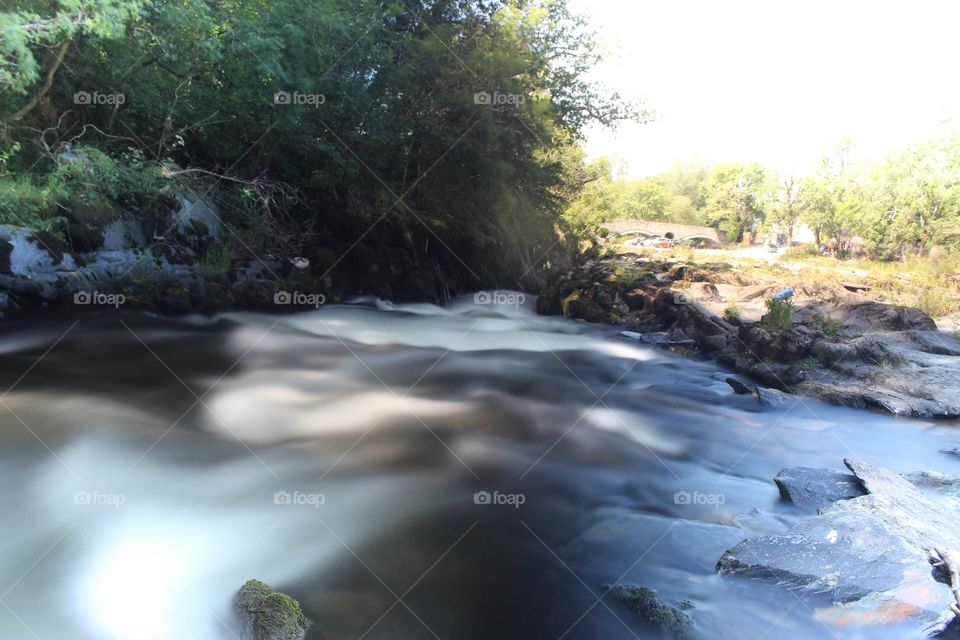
(771, 397)
(878, 316)
(935, 342)
(704, 291)
(265, 614)
(941, 482)
(122, 234)
(654, 612)
(869, 555)
(830, 353)
(809, 487)
(716, 342)
(738, 387)
(847, 556)
(636, 299)
(855, 287)
(193, 214)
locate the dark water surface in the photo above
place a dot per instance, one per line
(150, 466)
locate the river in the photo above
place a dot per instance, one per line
(408, 471)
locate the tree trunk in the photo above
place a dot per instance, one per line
(47, 83)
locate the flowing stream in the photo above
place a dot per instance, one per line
(406, 472)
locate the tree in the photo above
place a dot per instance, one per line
(734, 195)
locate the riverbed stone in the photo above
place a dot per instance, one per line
(810, 487)
(868, 555)
(654, 612)
(266, 614)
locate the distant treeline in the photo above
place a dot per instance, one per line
(903, 204)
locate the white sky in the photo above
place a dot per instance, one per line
(776, 81)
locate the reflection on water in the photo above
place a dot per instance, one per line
(406, 472)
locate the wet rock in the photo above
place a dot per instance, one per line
(738, 387)
(265, 614)
(939, 482)
(654, 612)
(868, 555)
(771, 397)
(717, 342)
(809, 487)
(847, 556)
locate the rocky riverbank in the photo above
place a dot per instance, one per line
(835, 343)
(881, 551)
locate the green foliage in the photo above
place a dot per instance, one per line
(735, 198)
(779, 314)
(26, 204)
(731, 312)
(390, 129)
(802, 251)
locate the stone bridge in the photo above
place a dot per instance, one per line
(679, 232)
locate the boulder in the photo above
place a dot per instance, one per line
(869, 556)
(809, 487)
(654, 612)
(878, 316)
(265, 614)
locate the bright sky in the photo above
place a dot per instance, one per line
(776, 81)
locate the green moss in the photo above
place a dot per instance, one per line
(281, 617)
(653, 611)
(272, 614)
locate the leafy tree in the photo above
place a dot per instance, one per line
(734, 195)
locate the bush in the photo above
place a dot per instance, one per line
(802, 251)
(779, 314)
(25, 204)
(97, 189)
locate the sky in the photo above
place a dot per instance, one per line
(775, 81)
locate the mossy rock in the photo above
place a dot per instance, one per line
(266, 614)
(659, 616)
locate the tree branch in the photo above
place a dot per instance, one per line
(47, 83)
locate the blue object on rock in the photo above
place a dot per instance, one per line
(783, 295)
